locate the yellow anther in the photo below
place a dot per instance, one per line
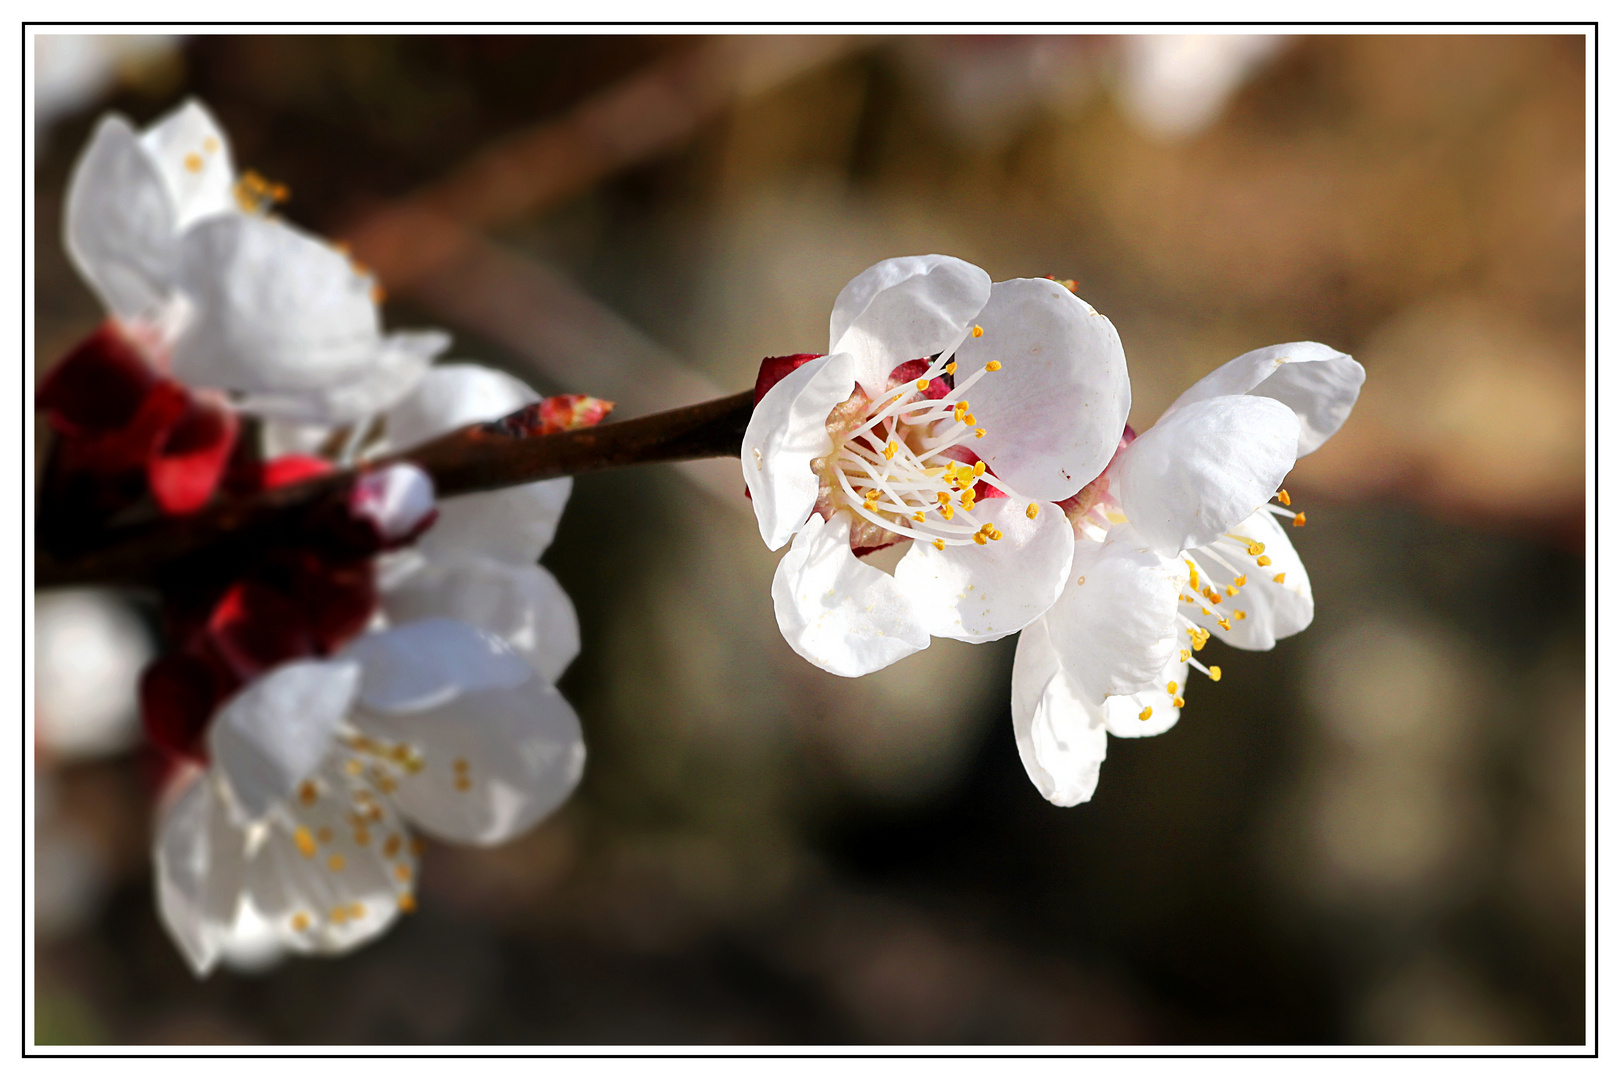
(305, 842)
(1231, 590)
(307, 793)
(943, 496)
(1240, 581)
(1240, 614)
(892, 449)
(995, 534)
(978, 538)
(970, 420)
(1170, 687)
(918, 516)
(994, 365)
(193, 163)
(1185, 656)
(402, 871)
(1257, 548)
(300, 921)
(357, 910)
(978, 331)
(979, 433)
(1178, 703)
(407, 903)
(947, 511)
(978, 468)
(922, 384)
(1192, 574)
(1223, 624)
(1199, 643)
(1032, 510)
(1299, 519)
(1214, 673)
(1279, 578)
(959, 409)
(1282, 497)
(1264, 560)
(950, 368)
(939, 545)
(340, 915)
(1145, 713)
(335, 862)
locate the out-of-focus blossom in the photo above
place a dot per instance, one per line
(1175, 85)
(878, 443)
(1175, 544)
(89, 649)
(184, 252)
(72, 70)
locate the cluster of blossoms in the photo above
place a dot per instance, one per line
(986, 424)
(391, 666)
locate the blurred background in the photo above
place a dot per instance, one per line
(1373, 834)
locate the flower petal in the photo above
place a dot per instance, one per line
(1060, 735)
(1054, 412)
(514, 525)
(278, 728)
(276, 310)
(336, 867)
(904, 309)
(424, 664)
(1122, 713)
(974, 593)
(788, 429)
(1319, 383)
(198, 861)
(1114, 627)
(1204, 468)
(119, 226)
(837, 612)
(401, 362)
(521, 604)
(395, 500)
(194, 159)
(452, 396)
(492, 763)
(1272, 609)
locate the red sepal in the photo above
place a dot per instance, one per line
(187, 465)
(773, 369)
(912, 370)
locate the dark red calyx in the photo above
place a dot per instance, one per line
(912, 370)
(773, 369)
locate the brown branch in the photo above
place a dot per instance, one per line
(232, 533)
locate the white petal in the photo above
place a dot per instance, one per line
(452, 396)
(1123, 713)
(904, 309)
(119, 226)
(277, 310)
(194, 159)
(837, 612)
(513, 525)
(1204, 468)
(1054, 412)
(1114, 627)
(974, 593)
(424, 664)
(522, 605)
(394, 499)
(1271, 609)
(1060, 735)
(788, 429)
(335, 867)
(398, 366)
(275, 731)
(1319, 383)
(493, 763)
(198, 860)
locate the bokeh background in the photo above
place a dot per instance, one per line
(1373, 834)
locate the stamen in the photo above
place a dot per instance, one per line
(994, 365)
(1279, 578)
(1145, 713)
(1034, 508)
(1282, 497)
(978, 331)
(1299, 519)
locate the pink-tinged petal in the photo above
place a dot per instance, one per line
(1319, 383)
(192, 155)
(275, 310)
(119, 225)
(1271, 609)
(396, 501)
(513, 525)
(1148, 712)
(837, 612)
(452, 396)
(1053, 412)
(522, 605)
(198, 862)
(276, 731)
(1060, 734)
(981, 593)
(902, 309)
(1114, 628)
(1205, 467)
(788, 430)
(430, 662)
(492, 764)
(336, 867)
